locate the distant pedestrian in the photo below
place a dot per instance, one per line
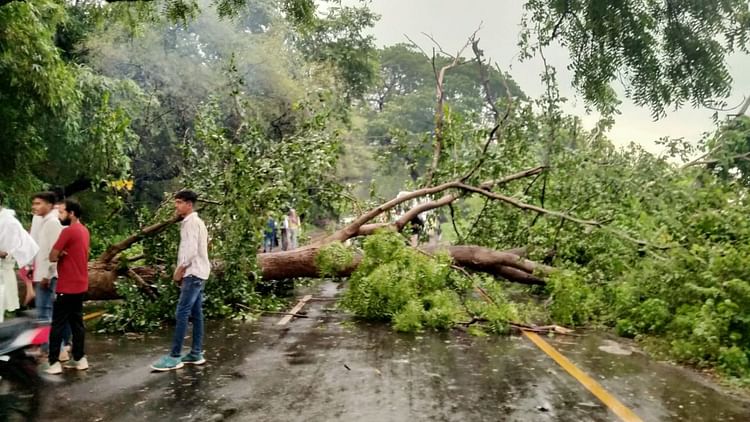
(294, 225)
(71, 253)
(193, 269)
(285, 233)
(269, 235)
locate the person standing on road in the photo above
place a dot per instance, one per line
(193, 269)
(45, 234)
(293, 229)
(285, 233)
(71, 253)
(16, 246)
(269, 234)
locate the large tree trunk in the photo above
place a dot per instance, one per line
(301, 263)
(102, 278)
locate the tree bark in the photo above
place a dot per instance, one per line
(301, 263)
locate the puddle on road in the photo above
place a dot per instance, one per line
(615, 348)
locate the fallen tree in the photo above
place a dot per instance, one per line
(301, 263)
(105, 270)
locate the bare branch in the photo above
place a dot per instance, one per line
(140, 282)
(485, 78)
(563, 15)
(440, 107)
(717, 160)
(453, 220)
(515, 176)
(416, 45)
(483, 155)
(359, 227)
(352, 229)
(742, 106)
(700, 160)
(529, 207)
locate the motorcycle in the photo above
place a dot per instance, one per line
(19, 378)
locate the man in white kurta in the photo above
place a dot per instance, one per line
(16, 246)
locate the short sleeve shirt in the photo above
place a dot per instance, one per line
(73, 266)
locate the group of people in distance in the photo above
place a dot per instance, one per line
(54, 256)
(289, 226)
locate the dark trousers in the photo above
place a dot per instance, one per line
(68, 310)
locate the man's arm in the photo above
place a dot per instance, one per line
(55, 255)
(192, 234)
(50, 233)
(189, 248)
(58, 247)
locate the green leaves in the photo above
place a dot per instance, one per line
(666, 53)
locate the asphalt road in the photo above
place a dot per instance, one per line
(329, 368)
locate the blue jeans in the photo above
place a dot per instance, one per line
(190, 304)
(45, 296)
(268, 243)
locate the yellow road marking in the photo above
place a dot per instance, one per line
(93, 315)
(594, 387)
(294, 310)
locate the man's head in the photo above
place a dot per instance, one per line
(70, 212)
(59, 192)
(184, 201)
(42, 203)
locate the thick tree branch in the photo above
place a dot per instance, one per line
(353, 228)
(359, 227)
(118, 247)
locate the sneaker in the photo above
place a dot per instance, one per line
(64, 354)
(54, 369)
(80, 365)
(167, 363)
(193, 359)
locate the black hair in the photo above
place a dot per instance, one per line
(47, 196)
(73, 206)
(59, 192)
(187, 195)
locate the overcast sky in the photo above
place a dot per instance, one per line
(452, 21)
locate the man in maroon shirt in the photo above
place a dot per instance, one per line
(71, 252)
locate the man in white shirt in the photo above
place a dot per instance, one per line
(193, 269)
(45, 235)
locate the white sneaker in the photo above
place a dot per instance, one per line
(55, 369)
(64, 354)
(80, 365)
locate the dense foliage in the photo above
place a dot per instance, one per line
(414, 291)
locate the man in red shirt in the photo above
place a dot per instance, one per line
(71, 252)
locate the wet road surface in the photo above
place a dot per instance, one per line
(328, 368)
